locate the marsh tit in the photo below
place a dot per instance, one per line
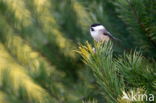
(99, 33)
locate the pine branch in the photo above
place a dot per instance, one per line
(103, 69)
(115, 75)
(134, 14)
(142, 26)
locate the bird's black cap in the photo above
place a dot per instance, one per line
(94, 25)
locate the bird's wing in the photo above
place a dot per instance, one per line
(106, 33)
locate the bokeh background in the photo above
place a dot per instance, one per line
(38, 38)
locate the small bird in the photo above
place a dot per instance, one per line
(99, 33)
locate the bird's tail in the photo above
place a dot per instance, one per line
(114, 38)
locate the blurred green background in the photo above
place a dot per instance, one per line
(38, 38)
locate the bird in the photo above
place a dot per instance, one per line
(99, 33)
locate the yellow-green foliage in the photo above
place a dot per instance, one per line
(20, 11)
(3, 98)
(25, 56)
(83, 16)
(85, 51)
(90, 101)
(47, 21)
(17, 78)
(39, 10)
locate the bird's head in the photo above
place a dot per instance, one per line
(95, 28)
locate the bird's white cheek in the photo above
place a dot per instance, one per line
(94, 34)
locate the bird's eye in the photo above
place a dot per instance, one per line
(92, 29)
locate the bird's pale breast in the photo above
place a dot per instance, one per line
(102, 37)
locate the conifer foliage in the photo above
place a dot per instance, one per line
(117, 76)
(41, 61)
